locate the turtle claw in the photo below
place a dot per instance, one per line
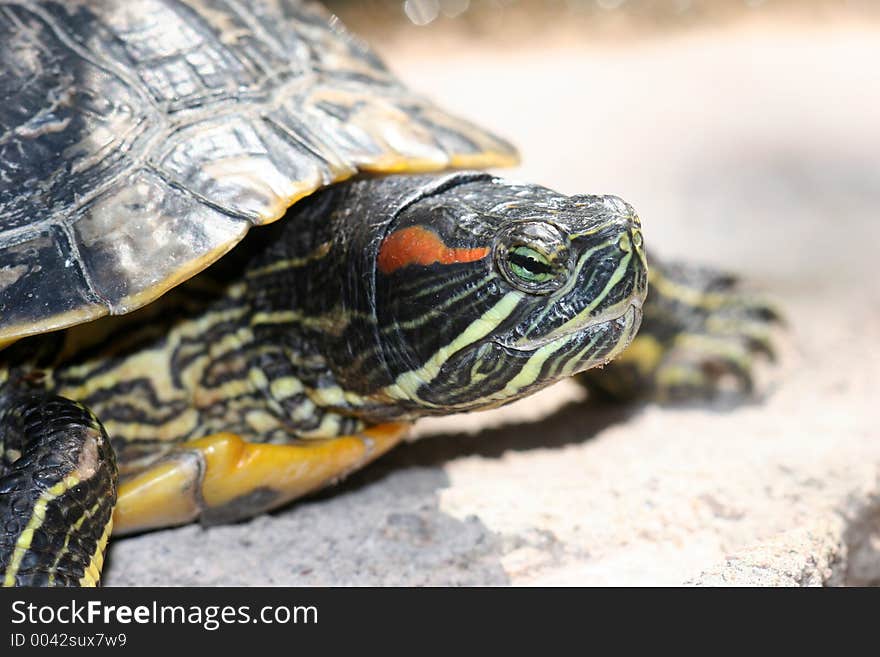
(701, 339)
(704, 367)
(741, 306)
(753, 331)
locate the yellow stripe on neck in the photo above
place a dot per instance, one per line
(38, 516)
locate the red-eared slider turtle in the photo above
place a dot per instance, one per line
(140, 140)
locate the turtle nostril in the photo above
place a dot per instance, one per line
(624, 243)
(637, 238)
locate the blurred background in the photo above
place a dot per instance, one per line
(747, 135)
(597, 15)
(711, 117)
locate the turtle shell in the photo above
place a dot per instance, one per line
(141, 139)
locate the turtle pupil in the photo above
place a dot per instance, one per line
(529, 265)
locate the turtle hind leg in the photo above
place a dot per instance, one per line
(57, 490)
(700, 338)
(223, 478)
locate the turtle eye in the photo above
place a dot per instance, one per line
(532, 257)
(529, 265)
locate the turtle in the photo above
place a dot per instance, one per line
(162, 363)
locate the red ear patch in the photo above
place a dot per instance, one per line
(420, 246)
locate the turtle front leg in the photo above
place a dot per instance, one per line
(700, 336)
(223, 478)
(57, 490)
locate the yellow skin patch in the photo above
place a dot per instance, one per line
(644, 352)
(164, 494)
(92, 574)
(210, 472)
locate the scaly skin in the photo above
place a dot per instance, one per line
(699, 334)
(301, 357)
(57, 490)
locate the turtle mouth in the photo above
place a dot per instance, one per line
(630, 317)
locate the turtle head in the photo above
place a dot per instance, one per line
(487, 291)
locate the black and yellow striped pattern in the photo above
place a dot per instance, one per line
(296, 335)
(291, 351)
(700, 338)
(377, 300)
(57, 496)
